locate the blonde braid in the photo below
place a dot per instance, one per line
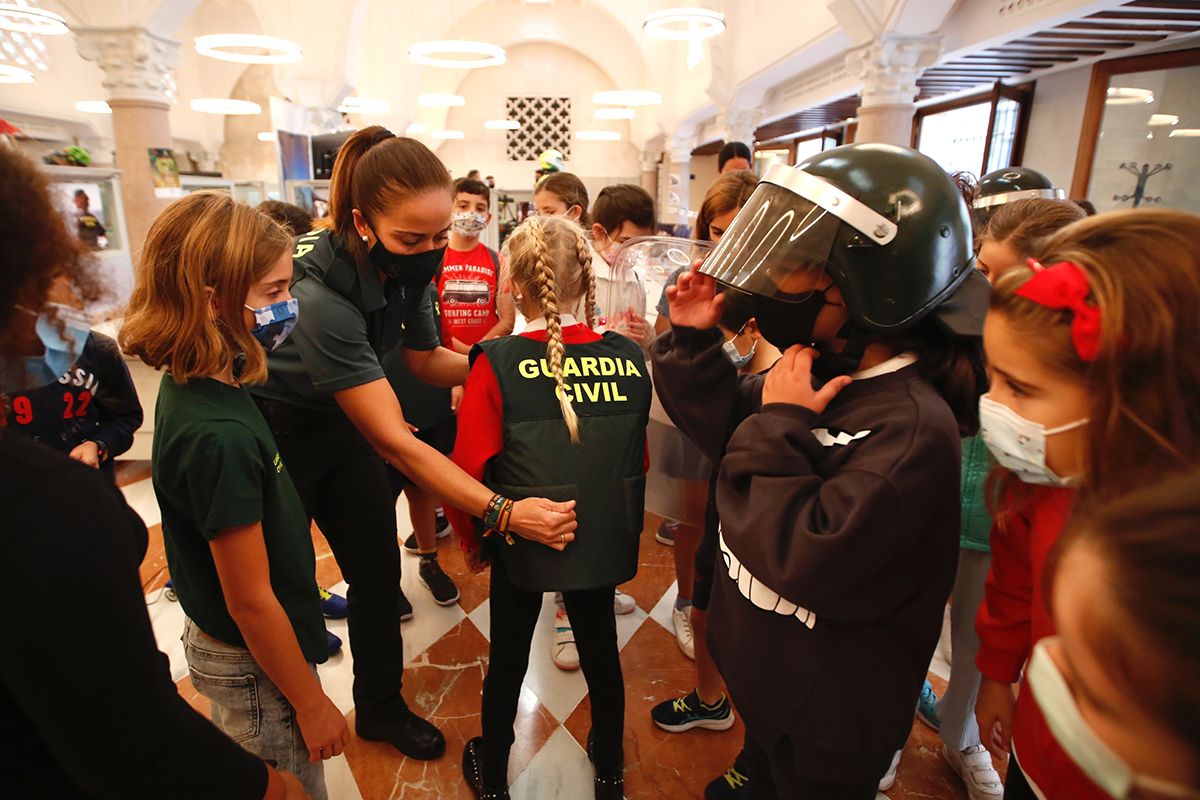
(547, 296)
(584, 252)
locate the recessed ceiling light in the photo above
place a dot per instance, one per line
(267, 136)
(363, 105)
(627, 97)
(614, 113)
(1128, 96)
(21, 18)
(217, 45)
(441, 100)
(11, 74)
(225, 105)
(1163, 119)
(1184, 133)
(685, 24)
(416, 129)
(93, 107)
(598, 136)
(448, 134)
(479, 54)
(502, 125)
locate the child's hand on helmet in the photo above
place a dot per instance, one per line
(790, 381)
(694, 301)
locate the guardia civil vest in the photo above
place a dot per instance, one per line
(610, 387)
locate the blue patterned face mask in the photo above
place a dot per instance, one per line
(63, 331)
(274, 323)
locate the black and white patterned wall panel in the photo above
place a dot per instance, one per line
(545, 124)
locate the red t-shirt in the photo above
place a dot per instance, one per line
(467, 289)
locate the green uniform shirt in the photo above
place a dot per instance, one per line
(976, 519)
(348, 322)
(424, 405)
(216, 466)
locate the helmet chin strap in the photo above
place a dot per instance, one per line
(830, 364)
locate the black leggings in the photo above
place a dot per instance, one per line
(514, 614)
(344, 486)
(1016, 785)
(773, 776)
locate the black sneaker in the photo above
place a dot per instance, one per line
(441, 524)
(687, 712)
(444, 592)
(734, 784)
(406, 612)
(473, 772)
(443, 530)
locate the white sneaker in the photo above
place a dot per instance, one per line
(889, 778)
(974, 766)
(562, 650)
(623, 603)
(684, 637)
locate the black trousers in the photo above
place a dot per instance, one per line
(1016, 786)
(773, 777)
(514, 613)
(344, 486)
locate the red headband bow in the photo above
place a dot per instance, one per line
(1065, 285)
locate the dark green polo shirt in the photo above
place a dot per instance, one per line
(216, 466)
(349, 321)
(424, 405)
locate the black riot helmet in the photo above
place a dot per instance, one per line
(885, 223)
(1014, 183)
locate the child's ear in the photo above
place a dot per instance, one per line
(574, 213)
(598, 231)
(752, 330)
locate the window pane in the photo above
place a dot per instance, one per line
(1004, 134)
(1148, 153)
(806, 148)
(955, 139)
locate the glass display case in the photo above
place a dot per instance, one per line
(249, 192)
(89, 200)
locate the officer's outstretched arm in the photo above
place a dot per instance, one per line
(438, 367)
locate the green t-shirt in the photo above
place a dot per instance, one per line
(348, 322)
(424, 405)
(216, 466)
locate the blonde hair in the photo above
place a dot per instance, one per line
(550, 259)
(206, 241)
(1143, 271)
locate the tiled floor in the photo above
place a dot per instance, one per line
(446, 656)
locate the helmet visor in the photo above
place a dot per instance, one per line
(649, 263)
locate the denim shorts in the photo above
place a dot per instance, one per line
(248, 707)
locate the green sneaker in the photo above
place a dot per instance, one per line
(687, 712)
(927, 707)
(734, 784)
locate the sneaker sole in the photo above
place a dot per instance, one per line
(928, 722)
(449, 602)
(663, 540)
(723, 724)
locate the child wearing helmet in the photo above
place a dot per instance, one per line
(838, 491)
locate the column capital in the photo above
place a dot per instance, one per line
(679, 148)
(138, 65)
(890, 66)
(649, 160)
(739, 124)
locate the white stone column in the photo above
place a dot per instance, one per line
(649, 164)
(139, 75)
(739, 125)
(889, 67)
(675, 186)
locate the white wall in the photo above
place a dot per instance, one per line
(1055, 122)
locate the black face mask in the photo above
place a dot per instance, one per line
(415, 270)
(785, 322)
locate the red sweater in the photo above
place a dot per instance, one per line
(1013, 617)
(481, 425)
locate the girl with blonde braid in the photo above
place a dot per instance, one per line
(559, 411)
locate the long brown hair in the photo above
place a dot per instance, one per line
(1024, 224)
(1143, 269)
(206, 241)
(1148, 543)
(549, 258)
(374, 170)
(728, 193)
(568, 188)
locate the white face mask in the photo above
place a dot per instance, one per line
(1019, 444)
(1097, 760)
(469, 223)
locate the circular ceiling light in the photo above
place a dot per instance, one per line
(502, 125)
(416, 129)
(1163, 119)
(1128, 96)
(218, 45)
(268, 136)
(684, 24)
(478, 54)
(364, 105)
(24, 19)
(93, 107)
(614, 113)
(225, 105)
(11, 74)
(627, 97)
(441, 100)
(448, 134)
(1187, 133)
(598, 136)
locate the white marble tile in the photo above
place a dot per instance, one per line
(166, 618)
(140, 496)
(560, 769)
(482, 618)
(661, 613)
(339, 780)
